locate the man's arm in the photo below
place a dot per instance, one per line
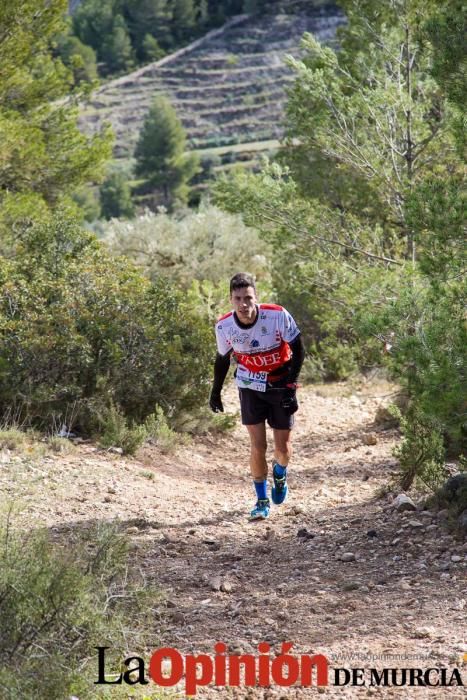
(221, 367)
(298, 355)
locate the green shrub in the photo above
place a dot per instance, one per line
(202, 246)
(81, 328)
(12, 438)
(115, 197)
(57, 603)
(428, 354)
(421, 452)
(313, 369)
(115, 432)
(158, 430)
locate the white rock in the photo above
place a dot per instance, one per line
(403, 502)
(415, 523)
(215, 583)
(347, 556)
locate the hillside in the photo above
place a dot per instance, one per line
(228, 87)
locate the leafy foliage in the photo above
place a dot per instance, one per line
(78, 57)
(208, 246)
(364, 212)
(115, 431)
(115, 197)
(57, 603)
(82, 328)
(43, 155)
(124, 33)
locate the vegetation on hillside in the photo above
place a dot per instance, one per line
(125, 34)
(43, 155)
(361, 238)
(364, 210)
(82, 332)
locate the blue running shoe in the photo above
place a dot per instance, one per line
(280, 489)
(261, 510)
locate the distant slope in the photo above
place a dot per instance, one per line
(227, 87)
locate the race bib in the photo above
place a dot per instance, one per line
(246, 379)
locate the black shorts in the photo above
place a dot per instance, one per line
(259, 406)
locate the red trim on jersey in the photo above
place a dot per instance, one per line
(221, 318)
(273, 307)
(265, 360)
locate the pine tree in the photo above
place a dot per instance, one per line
(151, 17)
(43, 155)
(152, 50)
(371, 111)
(203, 13)
(116, 51)
(160, 150)
(93, 22)
(183, 19)
(115, 196)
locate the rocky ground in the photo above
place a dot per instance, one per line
(336, 570)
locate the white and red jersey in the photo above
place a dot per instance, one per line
(264, 346)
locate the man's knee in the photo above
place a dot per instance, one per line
(258, 441)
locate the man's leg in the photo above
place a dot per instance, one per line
(282, 455)
(258, 464)
(259, 470)
(282, 446)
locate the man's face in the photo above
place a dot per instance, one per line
(244, 303)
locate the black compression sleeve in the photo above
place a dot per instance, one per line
(221, 367)
(298, 355)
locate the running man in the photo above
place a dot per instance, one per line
(268, 349)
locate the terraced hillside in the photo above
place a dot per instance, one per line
(227, 88)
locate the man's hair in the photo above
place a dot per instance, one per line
(242, 279)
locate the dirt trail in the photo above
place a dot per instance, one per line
(402, 592)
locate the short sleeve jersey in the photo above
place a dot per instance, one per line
(264, 346)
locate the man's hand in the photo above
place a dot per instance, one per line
(215, 402)
(289, 401)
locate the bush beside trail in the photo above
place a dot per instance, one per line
(57, 603)
(83, 330)
(364, 206)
